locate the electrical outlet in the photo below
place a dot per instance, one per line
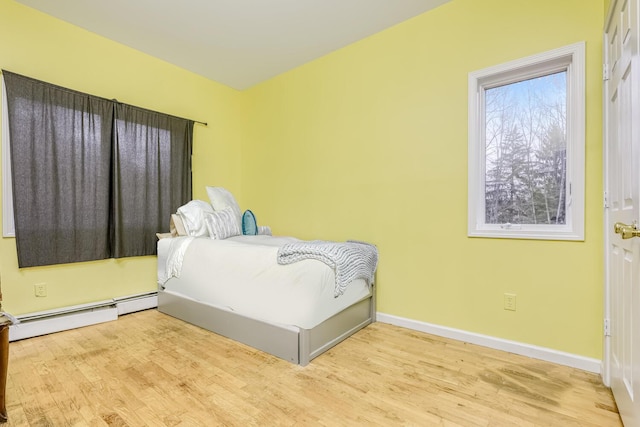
(510, 302)
(40, 289)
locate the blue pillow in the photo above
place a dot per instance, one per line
(249, 225)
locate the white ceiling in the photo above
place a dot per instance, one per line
(235, 42)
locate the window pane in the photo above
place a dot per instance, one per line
(526, 146)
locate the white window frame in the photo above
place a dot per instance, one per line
(8, 227)
(572, 60)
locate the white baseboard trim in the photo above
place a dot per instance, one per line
(135, 303)
(64, 322)
(533, 351)
(63, 319)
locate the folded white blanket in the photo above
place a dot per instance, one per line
(350, 260)
(178, 247)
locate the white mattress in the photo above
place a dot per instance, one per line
(241, 274)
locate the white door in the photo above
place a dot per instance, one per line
(622, 178)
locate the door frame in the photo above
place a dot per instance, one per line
(605, 369)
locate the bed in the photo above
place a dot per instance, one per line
(234, 287)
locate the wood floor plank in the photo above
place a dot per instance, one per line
(149, 369)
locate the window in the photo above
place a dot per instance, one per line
(8, 229)
(151, 176)
(526, 147)
(92, 178)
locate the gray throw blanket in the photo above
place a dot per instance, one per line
(350, 260)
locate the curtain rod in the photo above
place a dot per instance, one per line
(142, 108)
(114, 100)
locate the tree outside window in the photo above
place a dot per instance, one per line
(526, 151)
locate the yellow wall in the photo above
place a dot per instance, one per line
(36, 45)
(370, 142)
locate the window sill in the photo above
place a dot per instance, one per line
(527, 234)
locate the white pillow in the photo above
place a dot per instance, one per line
(221, 198)
(265, 230)
(176, 226)
(192, 215)
(222, 224)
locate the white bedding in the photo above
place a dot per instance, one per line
(242, 274)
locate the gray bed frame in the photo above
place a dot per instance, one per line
(297, 345)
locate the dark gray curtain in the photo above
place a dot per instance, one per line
(151, 175)
(60, 154)
(92, 178)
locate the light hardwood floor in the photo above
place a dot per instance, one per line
(147, 368)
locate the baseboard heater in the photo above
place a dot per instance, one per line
(47, 322)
